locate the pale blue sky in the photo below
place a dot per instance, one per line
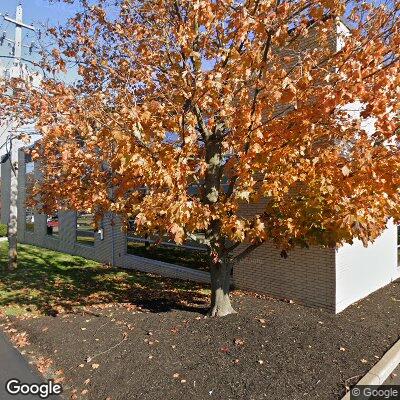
(36, 12)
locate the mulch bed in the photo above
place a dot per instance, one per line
(269, 350)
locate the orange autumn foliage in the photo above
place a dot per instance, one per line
(229, 98)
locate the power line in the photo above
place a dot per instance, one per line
(14, 68)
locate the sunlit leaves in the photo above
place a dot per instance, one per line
(303, 129)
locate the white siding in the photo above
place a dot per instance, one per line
(362, 270)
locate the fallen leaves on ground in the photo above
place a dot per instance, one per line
(238, 342)
(20, 339)
(59, 376)
(43, 364)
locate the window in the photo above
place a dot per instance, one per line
(398, 246)
(191, 254)
(85, 228)
(134, 241)
(52, 225)
(29, 182)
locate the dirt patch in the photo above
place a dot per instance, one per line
(269, 350)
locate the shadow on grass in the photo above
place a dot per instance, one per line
(49, 282)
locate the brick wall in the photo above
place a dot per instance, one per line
(111, 250)
(306, 276)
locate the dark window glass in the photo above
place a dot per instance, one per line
(52, 225)
(29, 182)
(191, 254)
(85, 228)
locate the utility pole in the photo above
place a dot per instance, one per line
(16, 72)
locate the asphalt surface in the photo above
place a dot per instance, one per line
(14, 365)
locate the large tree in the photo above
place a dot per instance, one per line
(209, 104)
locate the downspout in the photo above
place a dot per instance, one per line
(112, 242)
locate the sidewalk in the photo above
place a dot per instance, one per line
(14, 365)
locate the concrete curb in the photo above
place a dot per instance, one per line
(382, 369)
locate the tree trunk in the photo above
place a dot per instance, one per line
(219, 266)
(12, 223)
(147, 242)
(220, 283)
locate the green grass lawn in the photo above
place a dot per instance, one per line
(190, 258)
(48, 282)
(3, 230)
(85, 240)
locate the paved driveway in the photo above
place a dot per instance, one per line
(14, 365)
